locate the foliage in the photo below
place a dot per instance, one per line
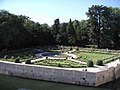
(71, 49)
(61, 63)
(90, 63)
(77, 49)
(28, 62)
(102, 29)
(17, 60)
(99, 62)
(20, 32)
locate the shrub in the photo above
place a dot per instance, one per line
(77, 49)
(90, 63)
(17, 60)
(59, 65)
(71, 48)
(28, 62)
(99, 62)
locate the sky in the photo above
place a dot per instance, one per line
(46, 11)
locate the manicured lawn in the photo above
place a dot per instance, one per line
(60, 63)
(85, 56)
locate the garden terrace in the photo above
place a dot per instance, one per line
(64, 55)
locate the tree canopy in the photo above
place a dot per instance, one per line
(102, 28)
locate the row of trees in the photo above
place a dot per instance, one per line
(102, 29)
(71, 33)
(20, 32)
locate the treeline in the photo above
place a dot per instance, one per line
(17, 31)
(102, 29)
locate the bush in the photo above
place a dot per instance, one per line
(28, 62)
(59, 65)
(17, 60)
(77, 49)
(71, 48)
(99, 62)
(90, 63)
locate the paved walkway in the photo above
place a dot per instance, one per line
(39, 59)
(71, 55)
(77, 61)
(74, 56)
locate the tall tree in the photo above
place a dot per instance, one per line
(71, 33)
(55, 31)
(116, 27)
(96, 15)
(84, 33)
(63, 34)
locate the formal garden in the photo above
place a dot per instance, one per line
(61, 56)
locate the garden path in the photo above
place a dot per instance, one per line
(71, 56)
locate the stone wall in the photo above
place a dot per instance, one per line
(107, 75)
(64, 75)
(117, 71)
(104, 76)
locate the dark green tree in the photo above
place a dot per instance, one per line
(71, 33)
(55, 30)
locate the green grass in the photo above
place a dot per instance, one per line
(60, 63)
(85, 56)
(88, 54)
(10, 60)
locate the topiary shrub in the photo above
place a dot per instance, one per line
(90, 63)
(17, 60)
(99, 62)
(77, 49)
(71, 48)
(28, 62)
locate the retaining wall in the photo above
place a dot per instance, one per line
(48, 73)
(64, 75)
